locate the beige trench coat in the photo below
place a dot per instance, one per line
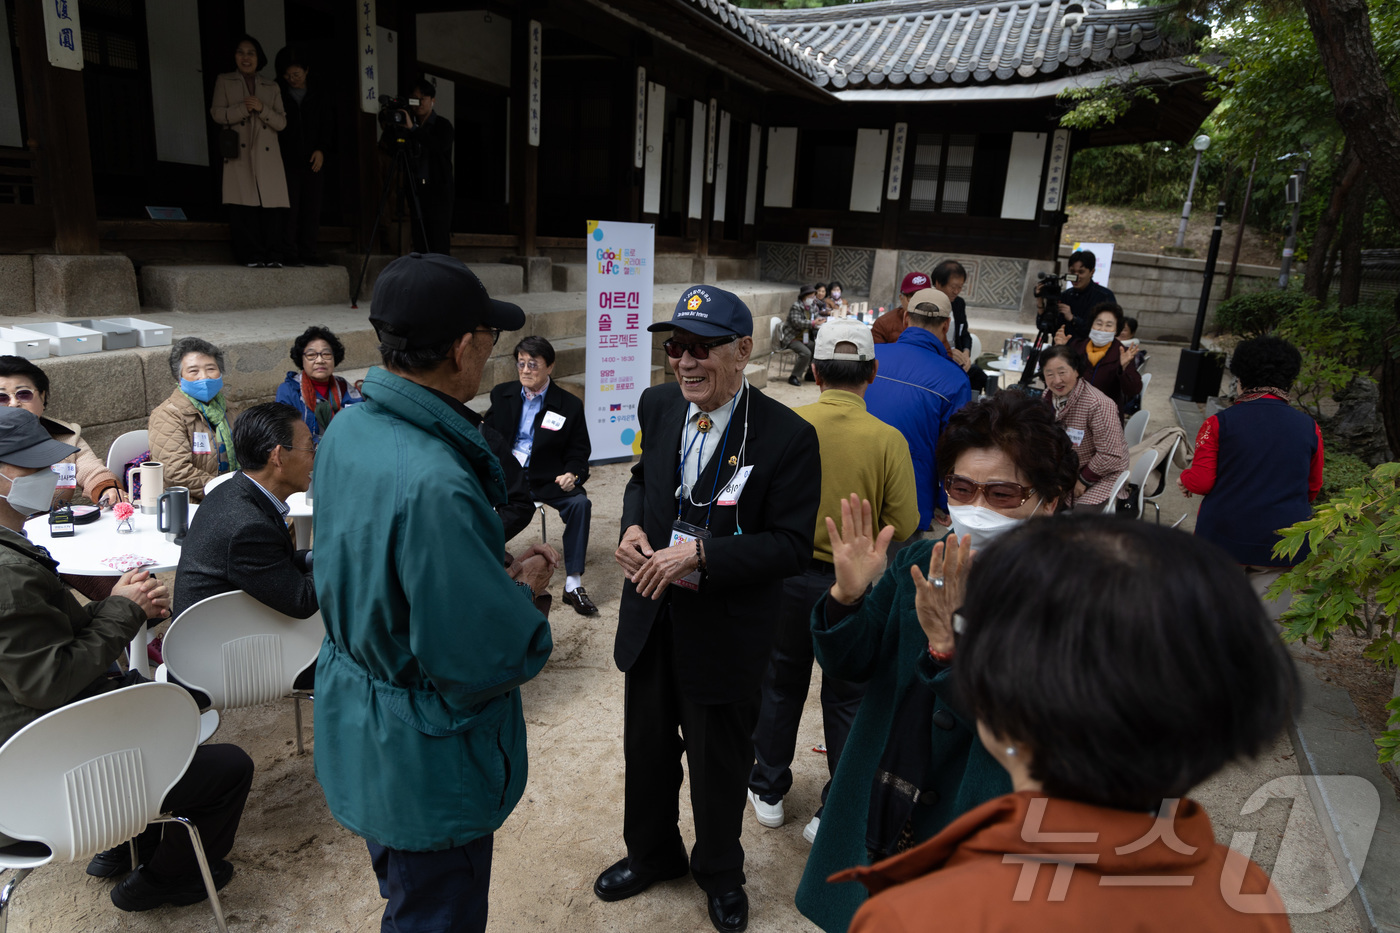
(255, 178)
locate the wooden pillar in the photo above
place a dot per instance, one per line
(525, 158)
(56, 129)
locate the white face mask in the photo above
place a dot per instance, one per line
(836, 294)
(981, 523)
(33, 494)
(1101, 338)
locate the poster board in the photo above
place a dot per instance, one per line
(621, 269)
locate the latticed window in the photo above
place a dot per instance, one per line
(941, 180)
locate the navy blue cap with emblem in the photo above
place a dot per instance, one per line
(707, 311)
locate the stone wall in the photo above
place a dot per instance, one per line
(1163, 292)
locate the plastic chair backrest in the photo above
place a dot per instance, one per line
(1166, 470)
(775, 333)
(92, 774)
(126, 446)
(239, 651)
(213, 483)
(1111, 505)
(1146, 378)
(976, 346)
(1136, 428)
(1140, 471)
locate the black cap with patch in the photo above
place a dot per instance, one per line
(709, 312)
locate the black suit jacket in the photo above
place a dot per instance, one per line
(310, 127)
(725, 630)
(554, 452)
(238, 541)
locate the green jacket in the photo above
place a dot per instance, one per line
(883, 644)
(420, 738)
(52, 651)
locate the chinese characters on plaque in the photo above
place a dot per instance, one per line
(365, 40)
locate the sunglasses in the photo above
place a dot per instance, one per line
(531, 365)
(700, 351)
(24, 395)
(999, 495)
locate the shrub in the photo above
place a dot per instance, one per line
(1253, 314)
(1341, 472)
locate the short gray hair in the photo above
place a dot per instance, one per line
(187, 345)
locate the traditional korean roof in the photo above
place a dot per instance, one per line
(918, 42)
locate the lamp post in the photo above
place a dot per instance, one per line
(1200, 144)
(1293, 194)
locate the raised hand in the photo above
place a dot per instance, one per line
(856, 550)
(938, 596)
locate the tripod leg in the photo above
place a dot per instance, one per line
(413, 196)
(373, 231)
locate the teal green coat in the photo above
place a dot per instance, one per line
(884, 645)
(420, 739)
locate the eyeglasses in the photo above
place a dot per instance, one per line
(23, 395)
(495, 333)
(309, 450)
(531, 365)
(675, 349)
(323, 355)
(999, 495)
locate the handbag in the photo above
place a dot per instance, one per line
(229, 143)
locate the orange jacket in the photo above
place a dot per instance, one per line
(1015, 863)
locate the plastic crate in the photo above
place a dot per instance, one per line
(148, 333)
(114, 337)
(16, 341)
(69, 339)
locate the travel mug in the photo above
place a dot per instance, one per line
(152, 485)
(173, 513)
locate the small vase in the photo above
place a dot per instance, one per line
(124, 526)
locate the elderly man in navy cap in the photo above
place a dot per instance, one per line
(421, 737)
(720, 509)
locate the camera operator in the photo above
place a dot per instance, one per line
(430, 145)
(1075, 302)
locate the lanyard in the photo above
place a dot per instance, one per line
(714, 490)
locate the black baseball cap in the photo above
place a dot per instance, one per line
(707, 311)
(25, 443)
(425, 299)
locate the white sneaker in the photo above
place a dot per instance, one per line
(810, 831)
(769, 814)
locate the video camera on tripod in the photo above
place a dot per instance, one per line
(1050, 287)
(396, 117)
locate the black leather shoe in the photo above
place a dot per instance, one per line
(620, 882)
(117, 860)
(580, 601)
(729, 912)
(795, 381)
(138, 892)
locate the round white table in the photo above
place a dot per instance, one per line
(301, 508)
(1004, 365)
(82, 555)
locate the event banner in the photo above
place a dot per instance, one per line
(620, 271)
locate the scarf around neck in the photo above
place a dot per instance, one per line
(215, 411)
(332, 402)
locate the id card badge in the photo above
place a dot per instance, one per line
(731, 493)
(201, 443)
(1076, 435)
(686, 533)
(552, 421)
(67, 475)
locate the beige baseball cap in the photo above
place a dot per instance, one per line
(930, 302)
(844, 330)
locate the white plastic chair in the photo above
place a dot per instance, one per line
(976, 346)
(125, 447)
(219, 481)
(1111, 505)
(775, 336)
(242, 653)
(1141, 469)
(1166, 481)
(1136, 428)
(1146, 378)
(92, 775)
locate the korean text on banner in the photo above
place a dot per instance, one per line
(366, 38)
(620, 272)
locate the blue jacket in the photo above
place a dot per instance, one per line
(420, 738)
(289, 393)
(917, 389)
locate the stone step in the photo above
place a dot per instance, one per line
(675, 269)
(501, 279)
(570, 276)
(204, 288)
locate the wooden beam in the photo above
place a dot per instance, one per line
(525, 158)
(56, 121)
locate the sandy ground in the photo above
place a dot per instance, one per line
(298, 870)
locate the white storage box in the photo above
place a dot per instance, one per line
(113, 337)
(149, 333)
(16, 341)
(69, 339)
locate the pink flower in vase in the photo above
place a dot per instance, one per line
(123, 511)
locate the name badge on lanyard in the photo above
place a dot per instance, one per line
(686, 533)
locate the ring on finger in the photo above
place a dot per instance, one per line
(937, 583)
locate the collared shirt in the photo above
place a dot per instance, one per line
(525, 433)
(282, 508)
(697, 447)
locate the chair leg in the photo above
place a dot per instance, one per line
(296, 709)
(135, 858)
(198, 845)
(544, 536)
(1158, 510)
(8, 893)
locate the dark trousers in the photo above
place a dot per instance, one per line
(211, 795)
(435, 202)
(718, 747)
(802, 357)
(784, 692)
(577, 512)
(256, 233)
(305, 190)
(434, 892)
